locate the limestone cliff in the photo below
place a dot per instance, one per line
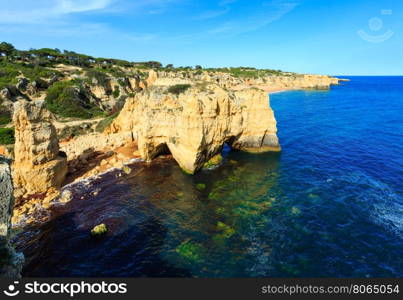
(10, 262)
(264, 82)
(38, 163)
(195, 124)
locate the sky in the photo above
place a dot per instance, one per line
(343, 37)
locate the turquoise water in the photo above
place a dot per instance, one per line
(330, 205)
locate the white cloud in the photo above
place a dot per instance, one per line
(212, 14)
(42, 11)
(77, 6)
(263, 14)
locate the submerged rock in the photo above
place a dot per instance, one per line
(200, 186)
(127, 169)
(99, 230)
(214, 161)
(191, 251)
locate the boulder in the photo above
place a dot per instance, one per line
(5, 94)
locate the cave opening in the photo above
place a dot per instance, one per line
(227, 146)
(162, 149)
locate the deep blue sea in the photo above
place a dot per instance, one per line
(329, 205)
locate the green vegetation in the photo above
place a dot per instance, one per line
(96, 77)
(7, 136)
(5, 117)
(215, 160)
(6, 49)
(67, 100)
(200, 186)
(102, 125)
(178, 88)
(10, 71)
(190, 251)
(8, 75)
(116, 92)
(75, 130)
(224, 230)
(74, 98)
(248, 72)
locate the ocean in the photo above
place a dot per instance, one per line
(329, 205)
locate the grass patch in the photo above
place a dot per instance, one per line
(102, 125)
(178, 88)
(7, 136)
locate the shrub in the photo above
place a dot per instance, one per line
(75, 130)
(99, 76)
(67, 100)
(7, 136)
(5, 117)
(116, 92)
(178, 88)
(8, 74)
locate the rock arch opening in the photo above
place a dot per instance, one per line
(161, 149)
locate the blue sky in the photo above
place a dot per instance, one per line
(358, 37)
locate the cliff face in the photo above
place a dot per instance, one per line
(267, 82)
(10, 262)
(38, 164)
(195, 124)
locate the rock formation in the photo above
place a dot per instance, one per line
(38, 163)
(267, 83)
(195, 124)
(10, 262)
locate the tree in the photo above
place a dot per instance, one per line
(198, 67)
(6, 49)
(169, 66)
(153, 64)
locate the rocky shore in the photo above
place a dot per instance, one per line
(11, 262)
(187, 116)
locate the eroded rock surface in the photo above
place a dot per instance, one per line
(38, 163)
(195, 124)
(10, 262)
